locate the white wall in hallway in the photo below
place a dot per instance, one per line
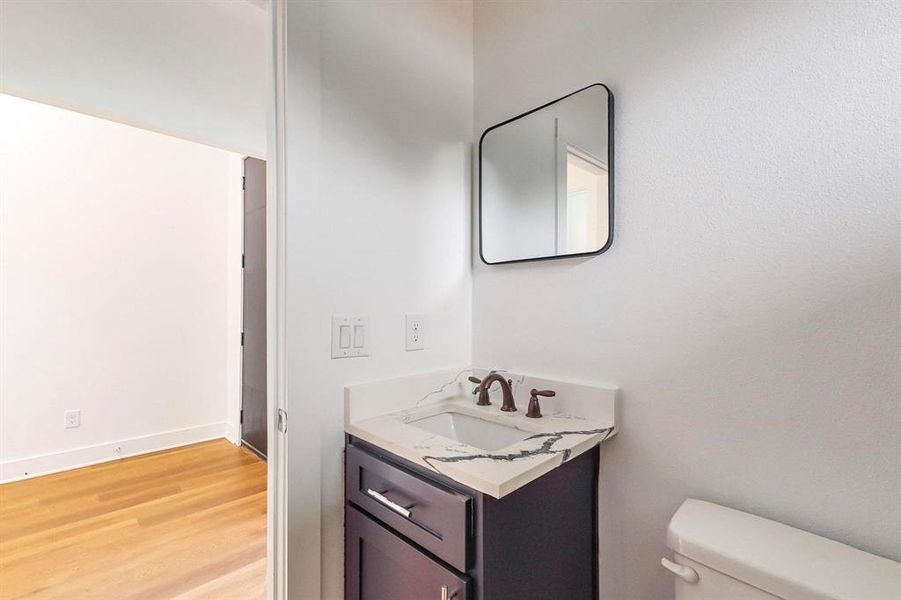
(196, 70)
(749, 306)
(114, 247)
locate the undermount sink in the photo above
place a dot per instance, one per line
(484, 435)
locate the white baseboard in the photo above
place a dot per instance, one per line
(33, 466)
(232, 434)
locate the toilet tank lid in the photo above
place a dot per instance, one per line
(779, 559)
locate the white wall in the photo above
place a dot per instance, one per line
(386, 229)
(196, 70)
(113, 287)
(749, 306)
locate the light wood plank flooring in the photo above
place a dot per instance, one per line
(182, 523)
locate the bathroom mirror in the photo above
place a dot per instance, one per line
(546, 181)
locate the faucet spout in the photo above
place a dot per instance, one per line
(508, 405)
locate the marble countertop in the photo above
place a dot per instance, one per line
(558, 436)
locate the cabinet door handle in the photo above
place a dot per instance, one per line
(388, 503)
(444, 595)
(687, 574)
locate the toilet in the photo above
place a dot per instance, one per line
(721, 553)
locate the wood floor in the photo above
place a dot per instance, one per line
(183, 523)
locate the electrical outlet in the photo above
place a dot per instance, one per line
(73, 419)
(415, 332)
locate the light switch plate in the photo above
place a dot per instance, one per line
(415, 332)
(350, 336)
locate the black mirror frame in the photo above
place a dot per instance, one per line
(609, 186)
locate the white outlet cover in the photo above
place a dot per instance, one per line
(73, 419)
(350, 336)
(415, 332)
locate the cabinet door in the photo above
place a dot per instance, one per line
(380, 565)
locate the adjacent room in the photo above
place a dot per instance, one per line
(133, 404)
(124, 301)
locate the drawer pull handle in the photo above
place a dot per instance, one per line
(687, 574)
(388, 503)
(444, 595)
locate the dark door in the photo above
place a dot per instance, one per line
(379, 565)
(253, 367)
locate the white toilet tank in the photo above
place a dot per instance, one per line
(725, 554)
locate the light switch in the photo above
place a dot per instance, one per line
(350, 336)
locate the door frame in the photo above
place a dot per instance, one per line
(276, 514)
(302, 488)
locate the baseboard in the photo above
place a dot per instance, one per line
(231, 434)
(34, 466)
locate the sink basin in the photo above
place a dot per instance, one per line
(484, 435)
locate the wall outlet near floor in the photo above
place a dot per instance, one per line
(415, 332)
(73, 419)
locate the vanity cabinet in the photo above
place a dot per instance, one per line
(381, 564)
(413, 534)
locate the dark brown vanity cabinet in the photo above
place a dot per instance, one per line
(411, 534)
(381, 564)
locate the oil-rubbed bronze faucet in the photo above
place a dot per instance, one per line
(508, 405)
(534, 407)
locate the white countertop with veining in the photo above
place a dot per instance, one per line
(579, 417)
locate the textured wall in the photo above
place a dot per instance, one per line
(749, 307)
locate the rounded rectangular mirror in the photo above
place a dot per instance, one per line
(546, 181)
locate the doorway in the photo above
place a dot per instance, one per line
(115, 240)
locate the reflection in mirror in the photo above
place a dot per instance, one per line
(545, 181)
(584, 222)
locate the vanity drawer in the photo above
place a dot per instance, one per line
(435, 517)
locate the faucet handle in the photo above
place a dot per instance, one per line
(534, 408)
(474, 379)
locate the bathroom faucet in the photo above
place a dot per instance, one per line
(507, 405)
